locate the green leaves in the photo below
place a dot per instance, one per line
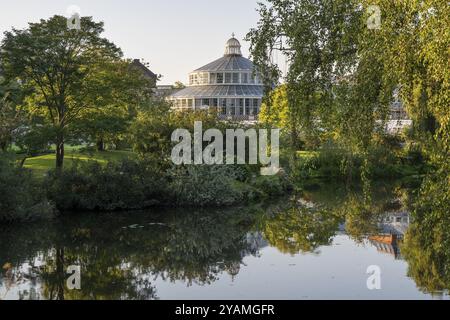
(21, 197)
(67, 71)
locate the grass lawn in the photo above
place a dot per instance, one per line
(40, 165)
(307, 154)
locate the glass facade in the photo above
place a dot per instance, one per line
(229, 84)
(205, 78)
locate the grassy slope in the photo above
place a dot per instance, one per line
(40, 165)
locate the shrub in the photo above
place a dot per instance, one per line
(21, 197)
(271, 185)
(130, 184)
(205, 185)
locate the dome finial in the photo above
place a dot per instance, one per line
(233, 35)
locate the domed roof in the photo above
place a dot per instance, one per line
(228, 63)
(233, 47)
(231, 61)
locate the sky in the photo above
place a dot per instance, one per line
(174, 36)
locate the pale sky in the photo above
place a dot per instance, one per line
(174, 36)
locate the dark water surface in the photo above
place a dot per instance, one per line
(315, 245)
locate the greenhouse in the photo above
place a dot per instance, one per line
(229, 84)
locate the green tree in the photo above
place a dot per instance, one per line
(151, 131)
(414, 39)
(179, 85)
(275, 111)
(320, 40)
(62, 67)
(124, 90)
(12, 116)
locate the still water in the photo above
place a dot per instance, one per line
(314, 245)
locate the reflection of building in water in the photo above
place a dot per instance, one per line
(253, 242)
(386, 243)
(395, 223)
(392, 227)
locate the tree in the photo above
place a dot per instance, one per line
(179, 85)
(62, 67)
(343, 74)
(414, 40)
(11, 114)
(320, 40)
(275, 111)
(125, 88)
(151, 131)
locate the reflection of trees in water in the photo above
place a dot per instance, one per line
(367, 215)
(120, 262)
(103, 275)
(315, 218)
(121, 255)
(427, 243)
(197, 247)
(300, 229)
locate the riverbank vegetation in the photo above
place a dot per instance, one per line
(63, 87)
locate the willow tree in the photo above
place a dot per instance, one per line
(414, 40)
(335, 84)
(59, 64)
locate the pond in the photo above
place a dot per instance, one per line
(317, 244)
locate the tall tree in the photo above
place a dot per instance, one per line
(414, 40)
(342, 72)
(320, 40)
(121, 89)
(60, 64)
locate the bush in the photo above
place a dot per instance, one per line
(21, 197)
(331, 162)
(205, 185)
(138, 184)
(271, 185)
(130, 184)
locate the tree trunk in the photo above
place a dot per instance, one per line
(60, 273)
(60, 151)
(100, 145)
(22, 162)
(3, 146)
